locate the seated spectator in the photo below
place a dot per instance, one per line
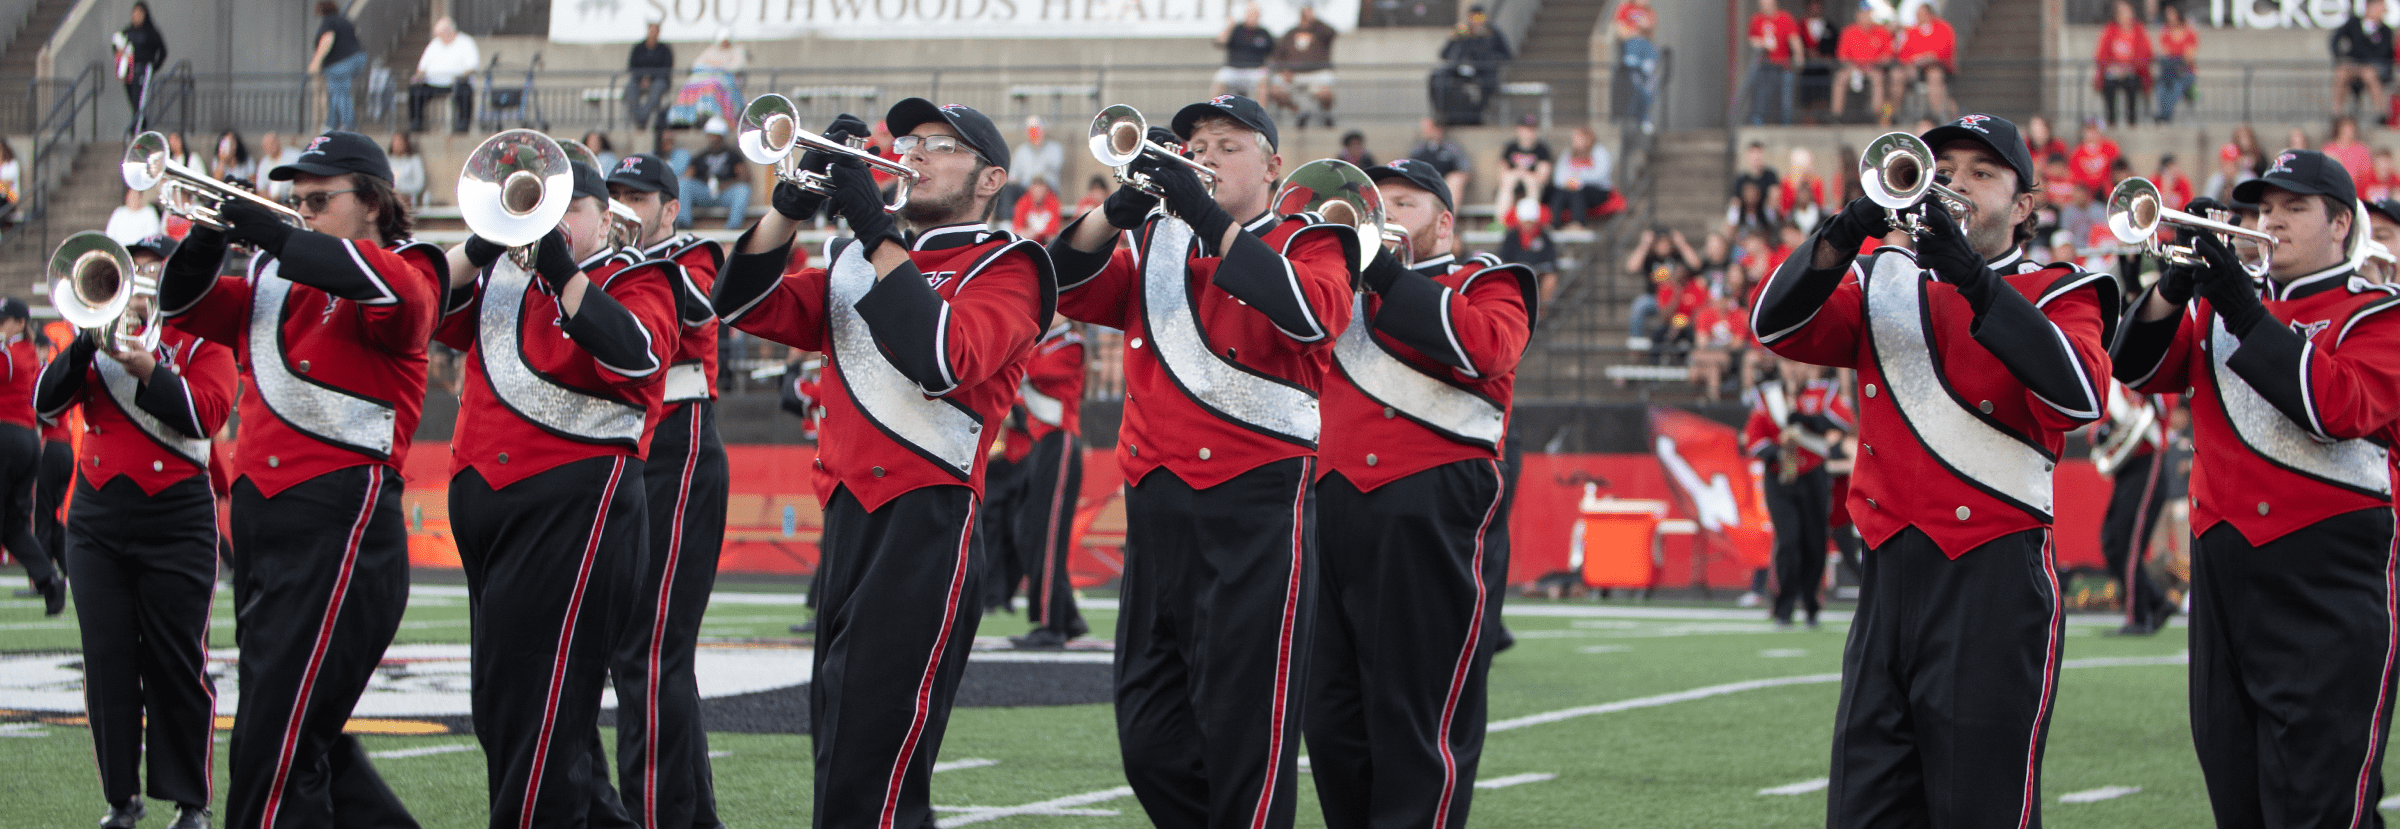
(1247, 46)
(233, 159)
(1676, 330)
(2058, 184)
(716, 178)
(134, 220)
(648, 69)
(1037, 158)
(1754, 171)
(1929, 55)
(2233, 167)
(1716, 338)
(1582, 181)
(1095, 191)
(1470, 75)
(1801, 195)
(1304, 60)
(272, 154)
(1354, 150)
(408, 168)
(2122, 65)
(1526, 241)
(447, 68)
(180, 152)
(2297, 139)
(2383, 178)
(2178, 61)
(2345, 147)
(2173, 185)
(1865, 53)
(714, 88)
(602, 148)
(2040, 143)
(2093, 158)
(1524, 167)
(676, 157)
(1750, 209)
(2362, 57)
(1662, 257)
(1036, 215)
(1435, 147)
(1716, 264)
(2083, 214)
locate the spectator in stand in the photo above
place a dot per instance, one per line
(714, 87)
(447, 68)
(1751, 207)
(1846, 168)
(179, 150)
(1526, 241)
(140, 52)
(339, 59)
(1754, 171)
(1036, 213)
(2093, 158)
(11, 173)
(1865, 54)
(2040, 143)
(1776, 38)
(1663, 257)
(1354, 150)
(1435, 147)
(2296, 139)
(1304, 59)
(233, 159)
(2345, 147)
(2247, 139)
(601, 147)
(408, 168)
(676, 157)
(716, 178)
(1818, 37)
(1474, 55)
(1582, 182)
(1715, 339)
(2362, 57)
(2123, 65)
(2232, 168)
(134, 220)
(1679, 304)
(648, 69)
(1801, 195)
(1929, 52)
(272, 154)
(2083, 213)
(1039, 158)
(1716, 265)
(2383, 181)
(2173, 185)
(1636, 26)
(1525, 164)
(1095, 191)
(2178, 60)
(1247, 46)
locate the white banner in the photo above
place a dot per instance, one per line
(623, 21)
(2292, 14)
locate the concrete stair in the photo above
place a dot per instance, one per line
(82, 202)
(1561, 35)
(2009, 33)
(17, 61)
(1691, 178)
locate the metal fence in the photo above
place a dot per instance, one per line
(2262, 91)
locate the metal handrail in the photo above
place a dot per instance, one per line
(170, 92)
(56, 133)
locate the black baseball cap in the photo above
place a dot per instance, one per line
(2306, 172)
(2387, 208)
(647, 173)
(588, 182)
(12, 308)
(156, 244)
(974, 128)
(335, 153)
(1993, 132)
(1240, 109)
(1418, 174)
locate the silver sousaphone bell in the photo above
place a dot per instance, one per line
(624, 225)
(514, 188)
(1344, 194)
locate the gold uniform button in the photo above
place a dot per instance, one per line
(1984, 407)
(1388, 413)
(878, 471)
(2262, 507)
(303, 366)
(1370, 459)
(1204, 453)
(1963, 512)
(1870, 390)
(158, 466)
(504, 457)
(273, 462)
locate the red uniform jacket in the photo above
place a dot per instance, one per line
(1051, 396)
(163, 438)
(598, 372)
(1820, 402)
(366, 345)
(1262, 314)
(1976, 409)
(1457, 330)
(2287, 429)
(16, 381)
(918, 364)
(691, 265)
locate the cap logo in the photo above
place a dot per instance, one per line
(316, 146)
(2283, 163)
(952, 108)
(1223, 100)
(1401, 165)
(629, 164)
(1975, 122)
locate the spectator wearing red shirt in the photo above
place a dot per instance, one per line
(2383, 180)
(2123, 65)
(2178, 60)
(2351, 152)
(2173, 185)
(1679, 304)
(1865, 54)
(1800, 197)
(1637, 54)
(1777, 37)
(2093, 158)
(1037, 212)
(2040, 143)
(1930, 49)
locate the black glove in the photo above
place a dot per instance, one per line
(794, 203)
(1128, 207)
(255, 226)
(2227, 287)
(554, 260)
(1163, 137)
(844, 127)
(1382, 270)
(2176, 281)
(1859, 221)
(1186, 197)
(482, 252)
(1943, 249)
(861, 204)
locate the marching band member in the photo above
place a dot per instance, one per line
(2137, 495)
(144, 529)
(57, 469)
(1032, 516)
(331, 325)
(2293, 397)
(546, 492)
(1413, 544)
(925, 336)
(21, 455)
(1229, 312)
(1794, 433)
(1972, 363)
(662, 751)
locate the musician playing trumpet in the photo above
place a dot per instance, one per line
(926, 333)
(331, 323)
(1798, 418)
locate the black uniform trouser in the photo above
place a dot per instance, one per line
(995, 525)
(50, 492)
(2136, 495)
(20, 464)
(321, 581)
(1800, 510)
(662, 751)
(2291, 681)
(894, 627)
(552, 562)
(1041, 528)
(1396, 692)
(145, 569)
(1946, 686)
(1213, 644)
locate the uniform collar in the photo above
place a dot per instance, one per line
(949, 236)
(1056, 332)
(667, 244)
(2005, 261)
(598, 259)
(1265, 221)
(2310, 284)
(1436, 266)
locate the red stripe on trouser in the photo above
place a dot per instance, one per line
(2041, 713)
(2383, 684)
(658, 624)
(933, 662)
(1283, 651)
(2138, 541)
(316, 656)
(566, 637)
(1050, 545)
(1466, 659)
(208, 724)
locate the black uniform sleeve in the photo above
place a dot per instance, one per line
(2032, 348)
(1076, 267)
(905, 316)
(333, 265)
(2140, 345)
(1795, 291)
(61, 382)
(189, 273)
(166, 397)
(788, 393)
(747, 278)
(1413, 312)
(2273, 360)
(611, 334)
(691, 303)
(1257, 275)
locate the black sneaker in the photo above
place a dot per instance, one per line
(188, 816)
(124, 815)
(54, 595)
(809, 626)
(1328, 120)
(1041, 639)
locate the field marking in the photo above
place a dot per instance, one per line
(2392, 802)
(1514, 780)
(1055, 806)
(37, 626)
(422, 751)
(955, 765)
(2099, 794)
(23, 729)
(1802, 787)
(719, 755)
(1783, 653)
(1603, 649)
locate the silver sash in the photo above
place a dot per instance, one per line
(1218, 384)
(122, 387)
(2357, 464)
(499, 344)
(1460, 414)
(687, 381)
(2002, 463)
(1042, 407)
(315, 408)
(936, 426)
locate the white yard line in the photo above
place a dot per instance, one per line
(23, 729)
(2099, 794)
(1055, 806)
(1802, 787)
(422, 751)
(955, 765)
(1514, 780)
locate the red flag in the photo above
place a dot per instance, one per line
(1713, 484)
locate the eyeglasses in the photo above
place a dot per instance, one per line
(944, 144)
(315, 202)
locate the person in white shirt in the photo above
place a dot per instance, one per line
(1037, 158)
(447, 68)
(1581, 181)
(408, 168)
(272, 154)
(134, 220)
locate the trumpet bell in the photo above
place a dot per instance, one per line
(2134, 210)
(145, 163)
(1339, 191)
(91, 279)
(1896, 170)
(577, 153)
(515, 187)
(768, 129)
(1118, 133)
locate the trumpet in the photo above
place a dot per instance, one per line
(1119, 135)
(514, 188)
(770, 134)
(624, 225)
(1897, 172)
(1343, 194)
(187, 192)
(2136, 214)
(2374, 261)
(94, 284)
